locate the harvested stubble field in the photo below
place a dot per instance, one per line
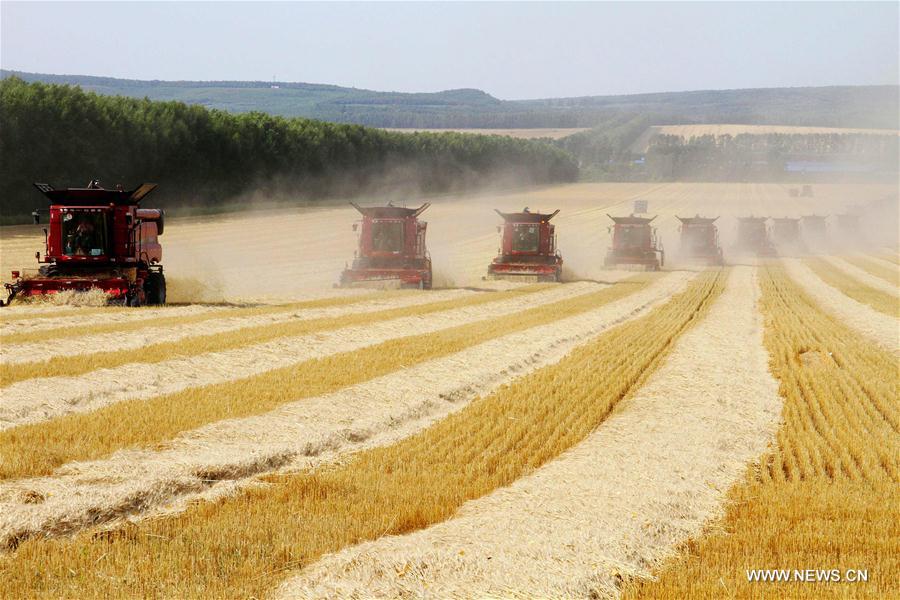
(626, 433)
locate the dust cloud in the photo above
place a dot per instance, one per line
(279, 253)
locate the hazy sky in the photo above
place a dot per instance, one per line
(511, 50)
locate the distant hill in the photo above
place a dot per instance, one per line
(837, 106)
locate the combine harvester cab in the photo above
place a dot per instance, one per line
(815, 230)
(635, 243)
(527, 248)
(753, 237)
(391, 248)
(700, 240)
(98, 239)
(786, 235)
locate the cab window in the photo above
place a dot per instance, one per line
(387, 236)
(84, 233)
(526, 238)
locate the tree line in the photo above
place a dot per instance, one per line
(200, 157)
(772, 156)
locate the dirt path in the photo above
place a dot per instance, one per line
(37, 351)
(377, 412)
(40, 399)
(865, 278)
(647, 479)
(882, 329)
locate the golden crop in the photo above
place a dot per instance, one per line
(827, 495)
(240, 546)
(877, 299)
(69, 366)
(10, 315)
(889, 274)
(37, 449)
(94, 328)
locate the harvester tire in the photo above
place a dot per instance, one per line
(48, 271)
(155, 289)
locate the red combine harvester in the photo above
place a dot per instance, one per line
(635, 242)
(528, 247)
(815, 230)
(848, 224)
(700, 240)
(753, 237)
(391, 247)
(786, 233)
(101, 239)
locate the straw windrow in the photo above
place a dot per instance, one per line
(826, 496)
(258, 534)
(68, 366)
(880, 300)
(161, 317)
(37, 449)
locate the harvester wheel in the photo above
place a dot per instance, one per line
(155, 289)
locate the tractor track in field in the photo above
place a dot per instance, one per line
(223, 456)
(40, 399)
(112, 341)
(882, 329)
(647, 479)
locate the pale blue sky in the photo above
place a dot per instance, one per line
(511, 50)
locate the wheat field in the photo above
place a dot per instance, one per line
(619, 434)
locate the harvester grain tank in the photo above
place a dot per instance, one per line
(98, 239)
(391, 247)
(635, 243)
(527, 247)
(753, 236)
(786, 233)
(700, 240)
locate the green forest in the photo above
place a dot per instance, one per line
(772, 157)
(203, 157)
